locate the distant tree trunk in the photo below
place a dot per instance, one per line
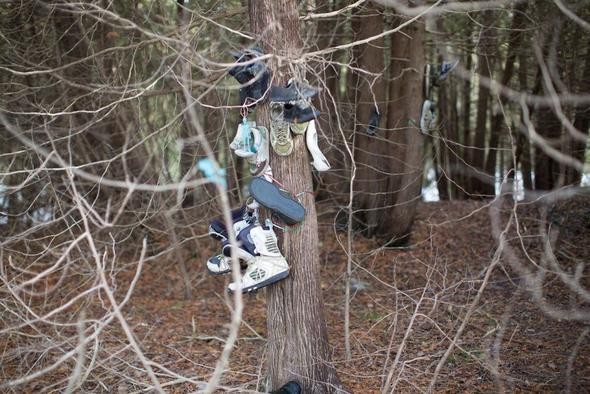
(456, 144)
(575, 147)
(548, 125)
(482, 184)
(523, 147)
(514, 40)
(443, 147)
(298, 346)
(370, 151)
(547, 169)
(463, 171)
(334, 183)
(407, 142)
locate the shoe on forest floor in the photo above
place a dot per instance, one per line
(279, 201)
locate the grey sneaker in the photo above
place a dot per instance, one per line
(280, 134)
(427, 117)
(259, 162)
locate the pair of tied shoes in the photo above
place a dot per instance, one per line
(257, 251)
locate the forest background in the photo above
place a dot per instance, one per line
(106, 108)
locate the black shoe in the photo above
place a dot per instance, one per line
(291, 387)
(373, 122)
(253, 76)
(294, 91)
(280, 202)
(294, 113)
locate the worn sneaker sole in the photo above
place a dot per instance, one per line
(270, 196)
(264, 283)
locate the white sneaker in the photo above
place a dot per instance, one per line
(266, 269)
(259, 163)
(243, 142)
(427, 117)
(319, 162)
(219, 264)
(262, 272)
(265, 241)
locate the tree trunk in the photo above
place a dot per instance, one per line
(407, 142)
(577, 148)
(514, 40)
(334, 183)
(482, 184)
(442, 147)
(462, 172)
(548, 124)
(298, 346)
(523, 147)
(370, 150)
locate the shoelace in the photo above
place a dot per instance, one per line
(282, 134)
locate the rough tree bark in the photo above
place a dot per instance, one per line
(548, 124)
(523, 147)
(407, 142)
(514, 40)
(334, 183)
(297, 334)
(371, 150)
(575, 147)
(462, 177)
(482, 184)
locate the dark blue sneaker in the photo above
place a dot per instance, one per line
(240, 218)
(246, 244)
(445, 69)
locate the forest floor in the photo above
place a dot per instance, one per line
(444, 267)
(406, 306)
